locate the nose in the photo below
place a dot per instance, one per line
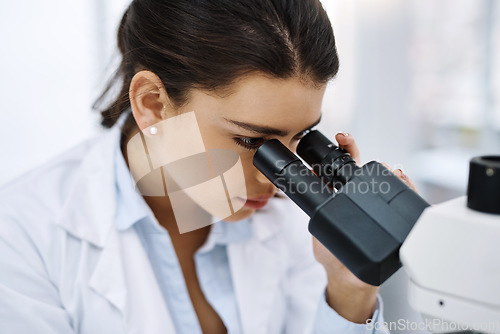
(266, 187)
(293, 147)
(260, 177)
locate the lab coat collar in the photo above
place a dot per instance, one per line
(122, 273)
(90, 208)
(130, 205)
(268, 221)
(124, 276)
(257, 266)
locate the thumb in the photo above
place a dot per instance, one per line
(347, 142)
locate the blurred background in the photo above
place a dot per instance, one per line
(418, 87)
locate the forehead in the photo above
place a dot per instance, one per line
(284, 103)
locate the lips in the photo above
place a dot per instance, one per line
(257, 202)
(261, 198)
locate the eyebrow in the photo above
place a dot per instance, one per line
(266, 130)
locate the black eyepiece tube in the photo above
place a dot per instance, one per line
(287, 172)
(483, 191)
(326, 159)
(272, 157)
(314, 147)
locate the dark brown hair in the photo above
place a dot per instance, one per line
(207, 44)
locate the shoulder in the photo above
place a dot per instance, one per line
(34, 206)
(31, 204)
(44, 188)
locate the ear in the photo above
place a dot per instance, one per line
(148, 99)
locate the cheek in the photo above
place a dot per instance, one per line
(293, 146)
(214, 139)
(251, 172)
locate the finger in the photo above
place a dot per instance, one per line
(409, 182)
(399, 173)
(347, 142)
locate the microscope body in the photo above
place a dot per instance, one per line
(365, 231)
(452, 257)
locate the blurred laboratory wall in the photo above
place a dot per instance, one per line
(56, 56)
(418, 87)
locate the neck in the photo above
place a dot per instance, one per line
(188, 242)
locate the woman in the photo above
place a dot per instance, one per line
(84, 252)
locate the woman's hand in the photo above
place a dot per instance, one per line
(348, 295)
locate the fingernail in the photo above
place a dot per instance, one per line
(403, 175)
(345, 134)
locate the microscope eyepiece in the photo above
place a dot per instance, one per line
(271, 158)
(314, 147)
(483, 191)
(326, 159)
(287, 172)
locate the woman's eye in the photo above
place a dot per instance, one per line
(249, 143)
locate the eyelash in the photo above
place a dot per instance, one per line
(244, 141)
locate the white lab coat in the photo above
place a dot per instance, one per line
(65, 268)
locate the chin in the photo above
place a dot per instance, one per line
(241, 214)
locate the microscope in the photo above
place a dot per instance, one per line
(374, 224)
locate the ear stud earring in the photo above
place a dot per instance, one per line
(153, 130)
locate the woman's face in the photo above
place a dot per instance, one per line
(253, 110)
(257, 109)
